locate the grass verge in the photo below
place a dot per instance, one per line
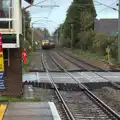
(88, 55)
(92, 56)
(19, 99)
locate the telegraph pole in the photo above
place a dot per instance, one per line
(61, 33)
(24, 27)
(119, 34)
(58, 36)
(32, 35)
(72, 37)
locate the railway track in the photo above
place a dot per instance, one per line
(87, 67)
(50, 64)
(82, 104)
(81, 64)
(60, 98)
(55, 68)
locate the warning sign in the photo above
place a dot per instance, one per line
(2, 76)
(1, 55)
(2, 81)
(1, 62)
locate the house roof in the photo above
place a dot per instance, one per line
(107, 26)
(29, 1)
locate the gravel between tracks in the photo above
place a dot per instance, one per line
(50, 64)
(77, 101)
(82, 107)
(36, 62)
(110, 96)
(96, 63)
(78, 62)
(66, 64)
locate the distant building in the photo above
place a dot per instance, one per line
(106, 26)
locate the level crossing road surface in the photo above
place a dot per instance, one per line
(31, 111)
(83, 77)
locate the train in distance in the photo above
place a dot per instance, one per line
(47, 44)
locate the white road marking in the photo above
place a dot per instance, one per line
(37, 76)
(112, 76)
(88, 76)
(94, 78)
(85, 76)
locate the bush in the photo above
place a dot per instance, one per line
(85, 40)
(100, 43)
(66, 42)
(114, 49)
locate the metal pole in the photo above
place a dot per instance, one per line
(61, 34)
(71, 37)
(45, 34)
(9, 17)
(8, 57)
(24, 28)
(119, 35)
(32, 36)
(57, 36)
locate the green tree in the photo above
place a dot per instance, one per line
(46, 33)
(86, 21)
(114, 48)
(86, 33)
(100, 43)
(57, 34)
(75, 12)
(26, 28)
(86, 40)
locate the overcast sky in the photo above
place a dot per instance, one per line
(58, 14)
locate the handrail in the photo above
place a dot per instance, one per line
(9, 16)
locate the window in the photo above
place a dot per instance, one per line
(45, 40)
(4, 8)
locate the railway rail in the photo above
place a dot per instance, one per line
(85, 62)
(81, 64)
(65, 107)
(76, 104)
(87, 67)
(50, 64)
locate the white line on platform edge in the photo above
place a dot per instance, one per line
(54, 111)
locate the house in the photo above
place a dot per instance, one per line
(106, 26)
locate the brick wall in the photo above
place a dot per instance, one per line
(13, 73)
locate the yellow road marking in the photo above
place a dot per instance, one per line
(2, 110)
